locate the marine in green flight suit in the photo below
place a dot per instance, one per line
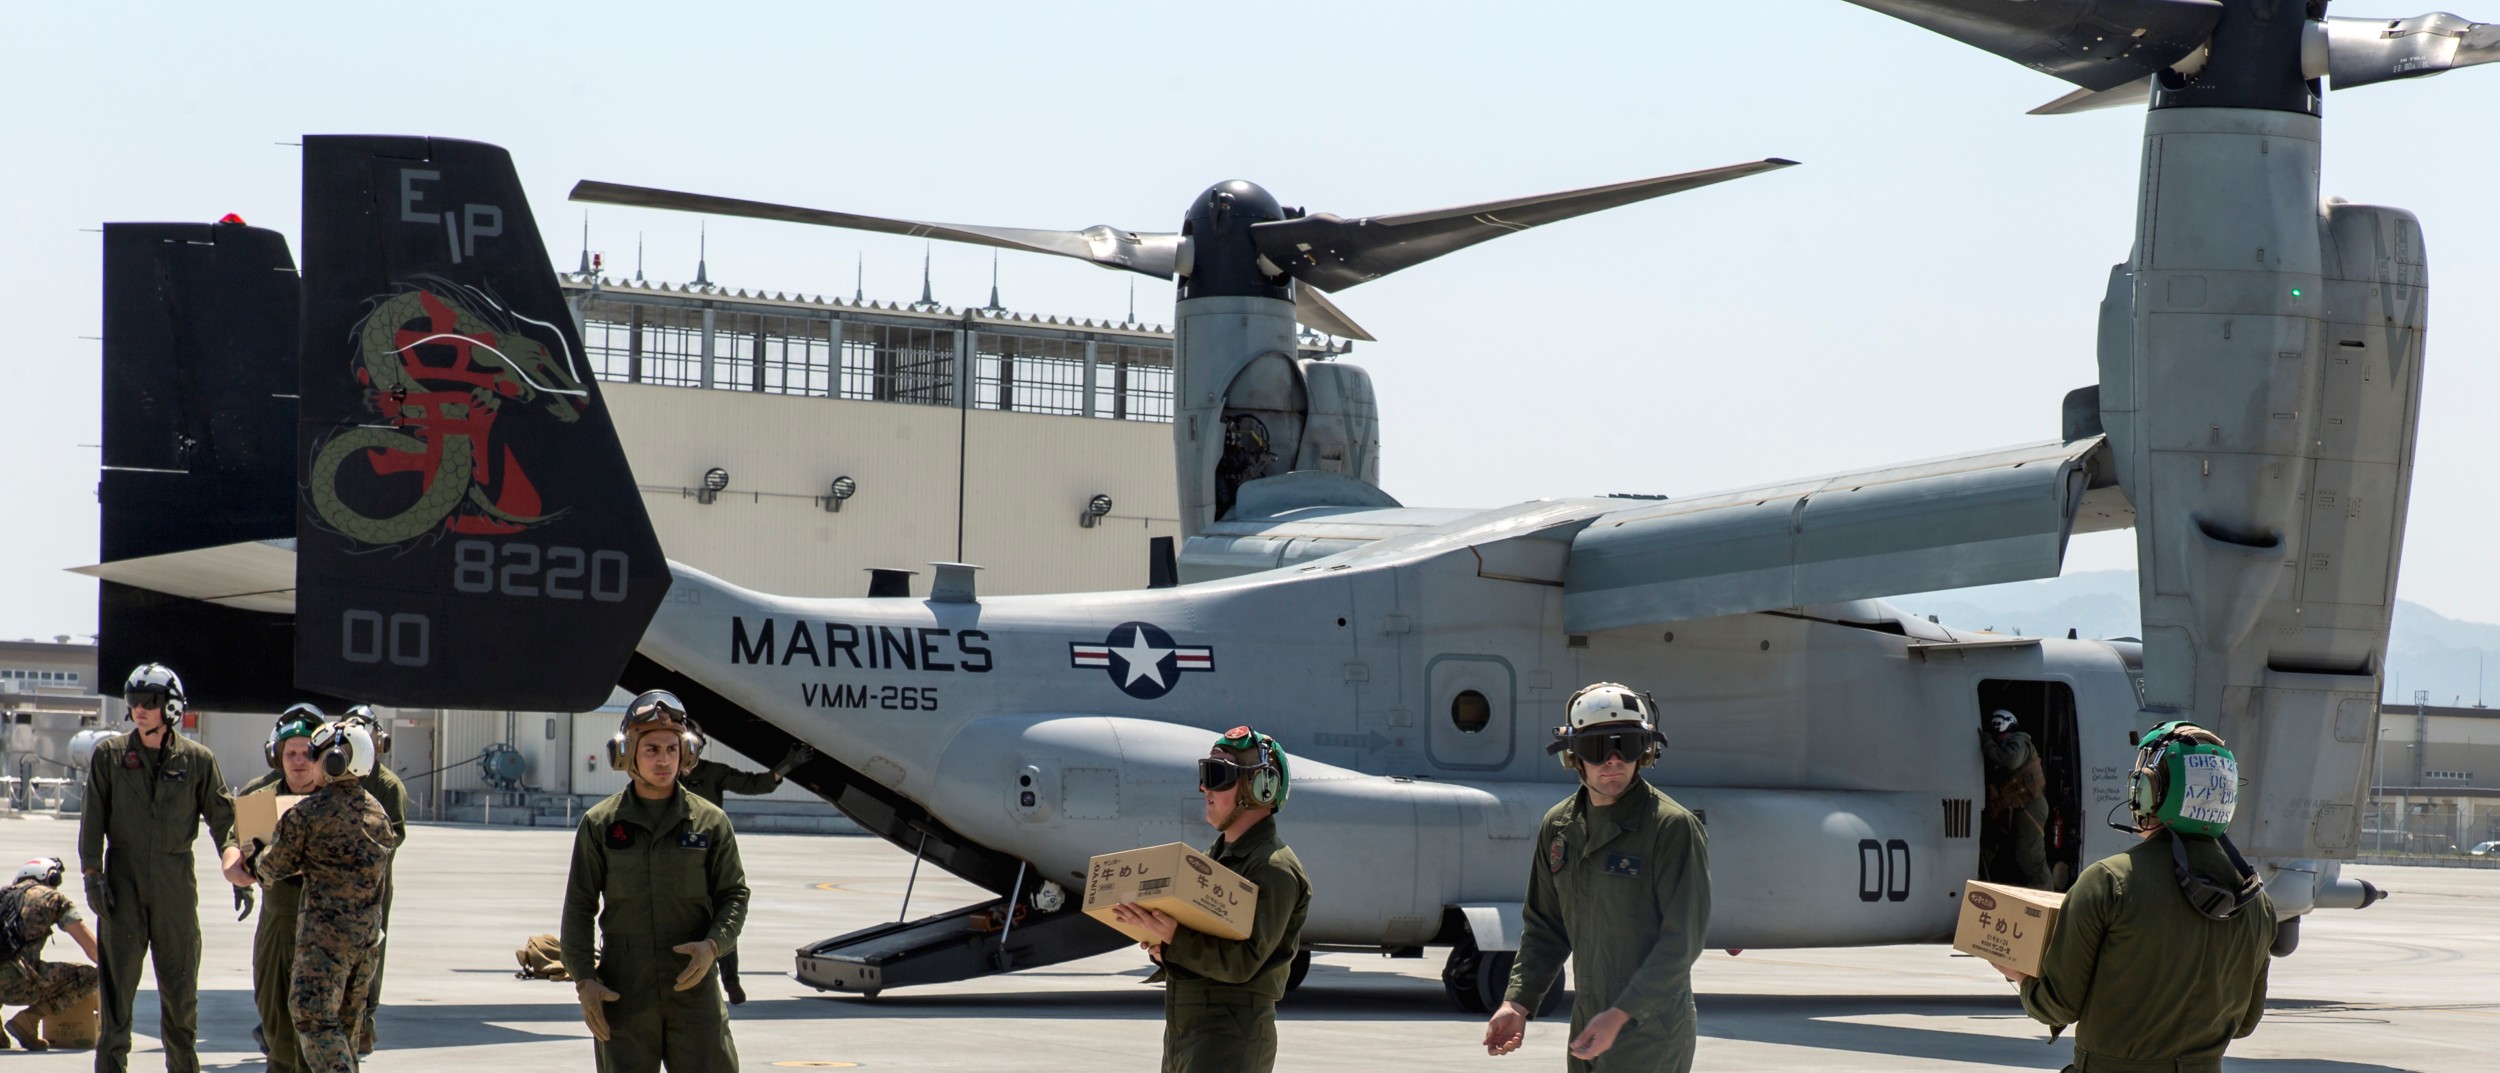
(709, 779)
(2152, 982)
(656, 893)
(147, 793)
(387, 788)
(1621, 888)
(1219, 995)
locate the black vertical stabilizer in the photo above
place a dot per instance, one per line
(468, 531)
(199, 385)
(199, 446)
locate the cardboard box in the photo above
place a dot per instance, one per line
(1203, 895)
(2007, 925)
(75, 1028)
(256, 814)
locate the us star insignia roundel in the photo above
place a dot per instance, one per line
(1141, 659)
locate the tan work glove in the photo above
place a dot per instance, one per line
(594, 996)
(699, 957)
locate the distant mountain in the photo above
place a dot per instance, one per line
(2427, 651)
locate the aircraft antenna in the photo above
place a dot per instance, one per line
(994, 308)
(702, 250)
(928, 299)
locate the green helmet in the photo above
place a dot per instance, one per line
(1265, 780)
(2185, 780)
(298, 721)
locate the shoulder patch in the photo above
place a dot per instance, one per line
(1554, 854)
(619, 835)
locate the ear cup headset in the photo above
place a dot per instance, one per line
(1608, 720)
(44, 870)
(1264, 783)
(380, 728)
(2185, 780)
(298, 721)
(656, 707)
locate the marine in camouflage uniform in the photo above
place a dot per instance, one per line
(2021, 814)
(143, 811)
(45, 988)
(339, 841)
(273, 954)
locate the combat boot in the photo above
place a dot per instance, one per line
(23, 1027)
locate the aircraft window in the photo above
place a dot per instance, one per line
(1470, 712)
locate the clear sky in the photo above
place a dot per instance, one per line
(1926, 284)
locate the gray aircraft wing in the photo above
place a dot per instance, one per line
(1977, 519)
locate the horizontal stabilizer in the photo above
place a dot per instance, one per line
(1971, 520)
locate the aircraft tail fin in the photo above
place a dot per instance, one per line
(468, 531)
(199, 445)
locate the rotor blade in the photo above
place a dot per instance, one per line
(2362, 52)
(1314, 310)
(2096, 44)
(1333, 253)
(1151, 253)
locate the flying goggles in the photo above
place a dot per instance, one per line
(1218, 774)
(1596, 745)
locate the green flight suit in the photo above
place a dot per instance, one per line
(386, 787)
(1624, 892)
(1219, 995)
(2027, 822)
(646, 877)
(143, 812)
(273, 954)
(2149, 983)
(709, 779)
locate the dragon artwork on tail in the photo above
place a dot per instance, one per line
(439, 362)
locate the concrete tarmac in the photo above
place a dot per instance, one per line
(2410, 984)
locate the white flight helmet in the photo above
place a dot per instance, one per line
(1608, 718)
(345, 748)
(157, 680)
(2001, 720)
(44, 870)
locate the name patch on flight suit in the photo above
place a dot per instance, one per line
(1618, 864)
(619, 835)
(691, 840)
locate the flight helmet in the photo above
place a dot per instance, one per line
(44, 870)
(656, 709)
(2001, 721)
(1608, 719)
(158, 682)
(345, 748)
(297, 721)
(1252, 760)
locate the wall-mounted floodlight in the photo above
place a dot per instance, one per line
(1095, 508)
(714, 480)
(843, 488)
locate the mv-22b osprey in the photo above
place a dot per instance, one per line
(2260, 364)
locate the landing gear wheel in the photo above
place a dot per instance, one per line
(1301, 968)
(1477, 979)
